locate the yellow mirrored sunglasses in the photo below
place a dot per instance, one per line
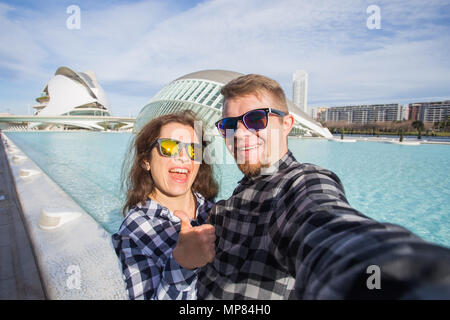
(171, 148)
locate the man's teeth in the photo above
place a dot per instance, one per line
(247, 148)
(179, 170)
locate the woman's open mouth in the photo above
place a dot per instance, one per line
(179, 175)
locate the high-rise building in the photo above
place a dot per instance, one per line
(320, 114)
(405, 113)
(364, 113)
(429, 111)
(300, 91)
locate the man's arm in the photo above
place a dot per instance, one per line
(335, 252)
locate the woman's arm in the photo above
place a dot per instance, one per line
(144, 246)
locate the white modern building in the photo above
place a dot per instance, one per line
(300, 90)
(69, 101)
(72, 93)
(73, 100)
(200, 92)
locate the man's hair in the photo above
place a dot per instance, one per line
(255, 84)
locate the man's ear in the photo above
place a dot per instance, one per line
(288, 123)
(145, 165)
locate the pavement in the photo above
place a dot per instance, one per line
(19, 275)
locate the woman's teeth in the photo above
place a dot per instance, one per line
(179, 170)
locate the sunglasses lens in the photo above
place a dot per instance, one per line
(226, 125)
(169, 148)
(255, 120)
(191, 151)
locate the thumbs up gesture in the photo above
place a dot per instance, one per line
(196, 245)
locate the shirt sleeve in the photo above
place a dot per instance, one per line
(335, 252)
(149, 269)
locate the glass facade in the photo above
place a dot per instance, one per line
(201, 96)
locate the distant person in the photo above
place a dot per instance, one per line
(167, 174)
(288, 231)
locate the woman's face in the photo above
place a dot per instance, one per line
(174, 176)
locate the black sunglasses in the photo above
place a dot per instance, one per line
(253, 120)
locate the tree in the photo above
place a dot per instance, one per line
(419, 126)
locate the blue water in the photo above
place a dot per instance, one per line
(86, 165)
(406, 185)
(406, 138)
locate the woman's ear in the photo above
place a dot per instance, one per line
(145, 165)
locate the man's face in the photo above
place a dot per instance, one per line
(255, 150)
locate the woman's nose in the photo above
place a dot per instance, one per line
(183, 155)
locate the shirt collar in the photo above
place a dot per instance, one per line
(201, 213)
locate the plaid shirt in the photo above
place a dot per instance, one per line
(144, 245)
(293, 235)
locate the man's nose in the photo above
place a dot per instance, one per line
(242, 131)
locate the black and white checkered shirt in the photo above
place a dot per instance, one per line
(293, 235)
(144, 245)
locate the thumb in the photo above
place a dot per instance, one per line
(185, 222)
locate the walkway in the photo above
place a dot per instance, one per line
(19, 276)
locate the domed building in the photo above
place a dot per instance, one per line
(71, 93)
(200, 92)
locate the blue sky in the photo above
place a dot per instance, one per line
(137, 47)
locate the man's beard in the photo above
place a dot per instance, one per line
(252, 169)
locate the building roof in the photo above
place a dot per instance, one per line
(221, 76)
(82, 78)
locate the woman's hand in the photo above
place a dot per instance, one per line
(196, 245)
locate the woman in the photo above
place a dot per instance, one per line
(167, 174)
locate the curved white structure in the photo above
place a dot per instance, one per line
(200, 92)
(73, 94)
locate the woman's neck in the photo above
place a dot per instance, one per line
(185, 202)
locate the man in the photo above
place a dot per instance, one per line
(288, 231)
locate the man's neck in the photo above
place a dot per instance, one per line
(273, 166)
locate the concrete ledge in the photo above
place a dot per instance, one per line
(76, 259)
(404, 143)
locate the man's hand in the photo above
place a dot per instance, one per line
(196, 245)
